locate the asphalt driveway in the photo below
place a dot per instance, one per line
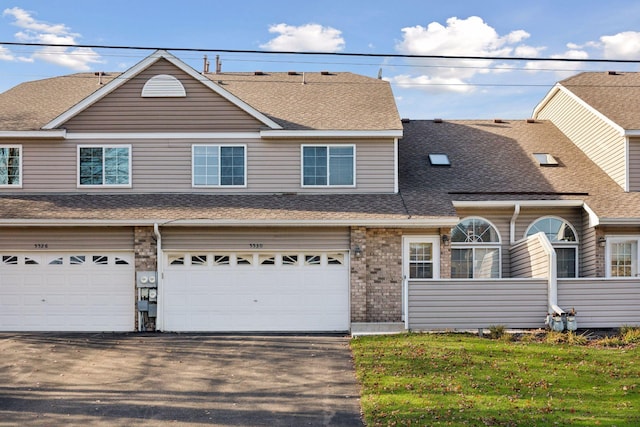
(177, 380)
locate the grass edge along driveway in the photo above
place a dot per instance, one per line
(462, 379)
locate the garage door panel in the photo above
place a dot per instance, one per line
(285, 294)
(67, 292)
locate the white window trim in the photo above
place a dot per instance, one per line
(406, 242)
(575, 245)
(219, 185)
(607, 256)
(328, 146)
(19, 184)
(481, 245)
(103, 146)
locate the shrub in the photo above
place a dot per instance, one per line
(496, 331)
(630, 334)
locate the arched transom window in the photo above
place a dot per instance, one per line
(475, 250)
(564, 239)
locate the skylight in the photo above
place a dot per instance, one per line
(439, 160)
(545, 159)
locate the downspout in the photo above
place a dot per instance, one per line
(159, 267)
(512, 224)
(552, 280)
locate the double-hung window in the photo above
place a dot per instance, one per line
(104, 165)
(328, 165)
(622, 256)
(10, 166)
(219, 165)
(421, 257)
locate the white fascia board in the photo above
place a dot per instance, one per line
(576, 98)
(513, 203)
(436, 222)
(545, 101)
(163, 135)
(620, 221)
(594, 219)
(141, 66)
(632, 132)
(34, 134)
(331, 133)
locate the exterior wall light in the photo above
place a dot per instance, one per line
(357, 251)
(602, 241)
(445, 239)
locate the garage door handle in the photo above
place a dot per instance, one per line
(43, 300)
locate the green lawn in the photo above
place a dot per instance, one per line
(464, 380)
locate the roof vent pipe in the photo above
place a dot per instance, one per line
(218, 65)
(205, 65)
(304, 81)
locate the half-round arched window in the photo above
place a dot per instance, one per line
(556, 229)
(564, 238)
(475, 249)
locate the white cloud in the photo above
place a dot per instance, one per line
(435, 84)
(460, 37)
(625, 45)
(34, 31)
(305, 38)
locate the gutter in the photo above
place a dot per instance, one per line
(434, 222)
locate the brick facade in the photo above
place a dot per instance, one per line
(144, 246)
(376, 275)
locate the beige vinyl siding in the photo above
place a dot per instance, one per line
(161, 165)
(601, 303)
(124, 110)
(66, 238)
(254, 239)
(594, 136)
(529, 259)
(588, 250)
(472, 304)
(634, 165)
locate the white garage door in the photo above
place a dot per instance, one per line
(256, 292)
(67, 291)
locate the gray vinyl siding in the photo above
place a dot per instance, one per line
(124, 110)
(634, 165)
(226, 238)
(66, 238)
(164, 165)
(472, 304)
(601, 303)
(529, 259)
(595, 137)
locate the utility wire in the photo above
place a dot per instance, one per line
(352, 54)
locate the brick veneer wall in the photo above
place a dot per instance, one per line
(145, 249)
(376, 275)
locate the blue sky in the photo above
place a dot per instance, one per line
(424, 89)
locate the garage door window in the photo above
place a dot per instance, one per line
(267, 259)
(244, 259)
(289, 259)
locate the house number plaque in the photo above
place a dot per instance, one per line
(256, 245)
(41, 245)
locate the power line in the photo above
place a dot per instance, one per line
(350, 54)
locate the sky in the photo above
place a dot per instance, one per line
(424, 88)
